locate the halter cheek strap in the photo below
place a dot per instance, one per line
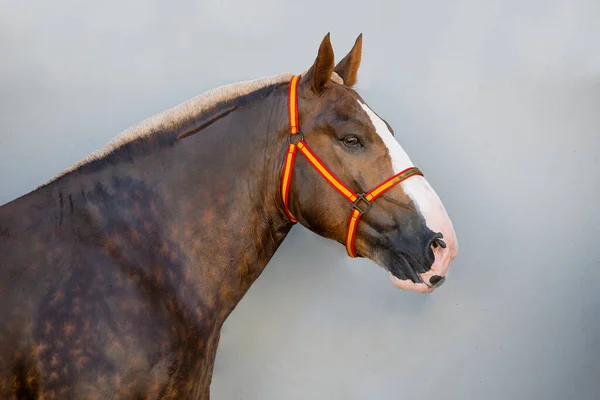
(360, 202)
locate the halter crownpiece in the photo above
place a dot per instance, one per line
(361, 202)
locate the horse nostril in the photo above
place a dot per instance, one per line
(433, 243)
(438, 241)
(437, 281)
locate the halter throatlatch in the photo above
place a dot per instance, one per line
(361, 202)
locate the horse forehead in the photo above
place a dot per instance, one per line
(398, 156)
(345, 105)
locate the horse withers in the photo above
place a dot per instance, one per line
(117, 275)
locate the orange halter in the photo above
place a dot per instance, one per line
(354, 198)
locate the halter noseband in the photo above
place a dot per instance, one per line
(355, 198)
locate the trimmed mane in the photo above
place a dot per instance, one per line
(178, 116)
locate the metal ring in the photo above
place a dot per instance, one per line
(296, 134)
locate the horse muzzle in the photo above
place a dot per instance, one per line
(424, 270)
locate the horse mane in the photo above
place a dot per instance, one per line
(183, 119)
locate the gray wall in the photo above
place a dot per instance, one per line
(497, 101)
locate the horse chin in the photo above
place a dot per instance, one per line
(407, 284)
(404, 276)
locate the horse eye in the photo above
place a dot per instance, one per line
(351, 141)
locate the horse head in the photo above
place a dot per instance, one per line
(356, 184)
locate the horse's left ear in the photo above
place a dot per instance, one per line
(319, 74)
(347, 68)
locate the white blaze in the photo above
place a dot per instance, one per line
(425, 199)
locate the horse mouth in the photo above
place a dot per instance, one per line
(404, 272)
(402, 267)
(404, 275)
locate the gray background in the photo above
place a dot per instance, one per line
(497, 101)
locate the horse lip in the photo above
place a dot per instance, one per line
(411, 272)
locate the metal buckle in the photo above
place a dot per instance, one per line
(361, 196)
(299, 133)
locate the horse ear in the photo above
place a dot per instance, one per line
(347, 68)
(319, 74)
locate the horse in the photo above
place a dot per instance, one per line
(117, 275)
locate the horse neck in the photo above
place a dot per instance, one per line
(222, 192)
(198, 218)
